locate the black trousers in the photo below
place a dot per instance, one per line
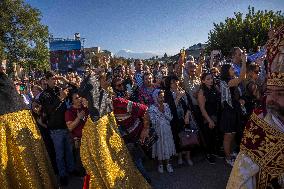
(209, 136)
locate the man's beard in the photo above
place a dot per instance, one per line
(275, 108)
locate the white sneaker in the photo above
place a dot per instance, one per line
(189, 162)
(170, 168)
(230, 162)
(161, 169)
(180, 161)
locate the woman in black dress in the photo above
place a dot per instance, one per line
(231, 105)
(177, 99)
(208, 100)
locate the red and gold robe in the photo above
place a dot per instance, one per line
(260, 163)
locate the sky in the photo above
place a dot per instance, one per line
(156, 26)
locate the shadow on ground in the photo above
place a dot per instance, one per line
(201, 175)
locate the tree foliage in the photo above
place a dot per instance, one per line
(23, 39)
(249, 30)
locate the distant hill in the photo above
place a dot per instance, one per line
(131, 54)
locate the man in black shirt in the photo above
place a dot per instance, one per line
(54, 106)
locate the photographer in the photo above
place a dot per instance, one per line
(54, 106)
(75, 118)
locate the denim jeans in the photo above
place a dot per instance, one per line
(139, 165)
(63, 151)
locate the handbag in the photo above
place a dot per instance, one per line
(189, 138)
(149, 141)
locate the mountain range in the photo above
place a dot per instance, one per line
(130, 54)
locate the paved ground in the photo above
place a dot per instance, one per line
(201, 175)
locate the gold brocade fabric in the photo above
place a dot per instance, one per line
(24, 162)
(106, 158)
(265, 147)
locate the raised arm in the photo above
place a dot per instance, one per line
(236, 81)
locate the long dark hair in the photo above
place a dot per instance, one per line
(204, 75)
(168, 81)
(202, 78)
(225, 74)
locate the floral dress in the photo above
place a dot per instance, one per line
(145, 95)
(164, 148)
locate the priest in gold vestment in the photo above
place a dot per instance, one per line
(260, 163)
(24, 162)
(103, 152)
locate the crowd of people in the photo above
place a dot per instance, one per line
(213, 97)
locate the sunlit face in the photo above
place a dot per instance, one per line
(161, 97)
(237, 58)
(146, 68)
(123, 70)
(2, 69)
(139, 65)
(148, 80)
(119, 86)
(192, 69)
(215, 72)
(275, 100)
(208, 80)
(174, 84)
(35, 91)
(103, 81)
(76, 100)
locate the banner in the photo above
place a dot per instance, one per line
(65, 54)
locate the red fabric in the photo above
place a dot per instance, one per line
(71, 115)
(137, 112)
(86, 182)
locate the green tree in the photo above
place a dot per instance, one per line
(247, 31)
(23, 39)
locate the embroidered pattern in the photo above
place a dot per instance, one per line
(265, 145)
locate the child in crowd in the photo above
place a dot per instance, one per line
(160, 115)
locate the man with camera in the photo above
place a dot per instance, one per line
(53, 103)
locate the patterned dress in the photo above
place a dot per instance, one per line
(145, 95)
(164, 148)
